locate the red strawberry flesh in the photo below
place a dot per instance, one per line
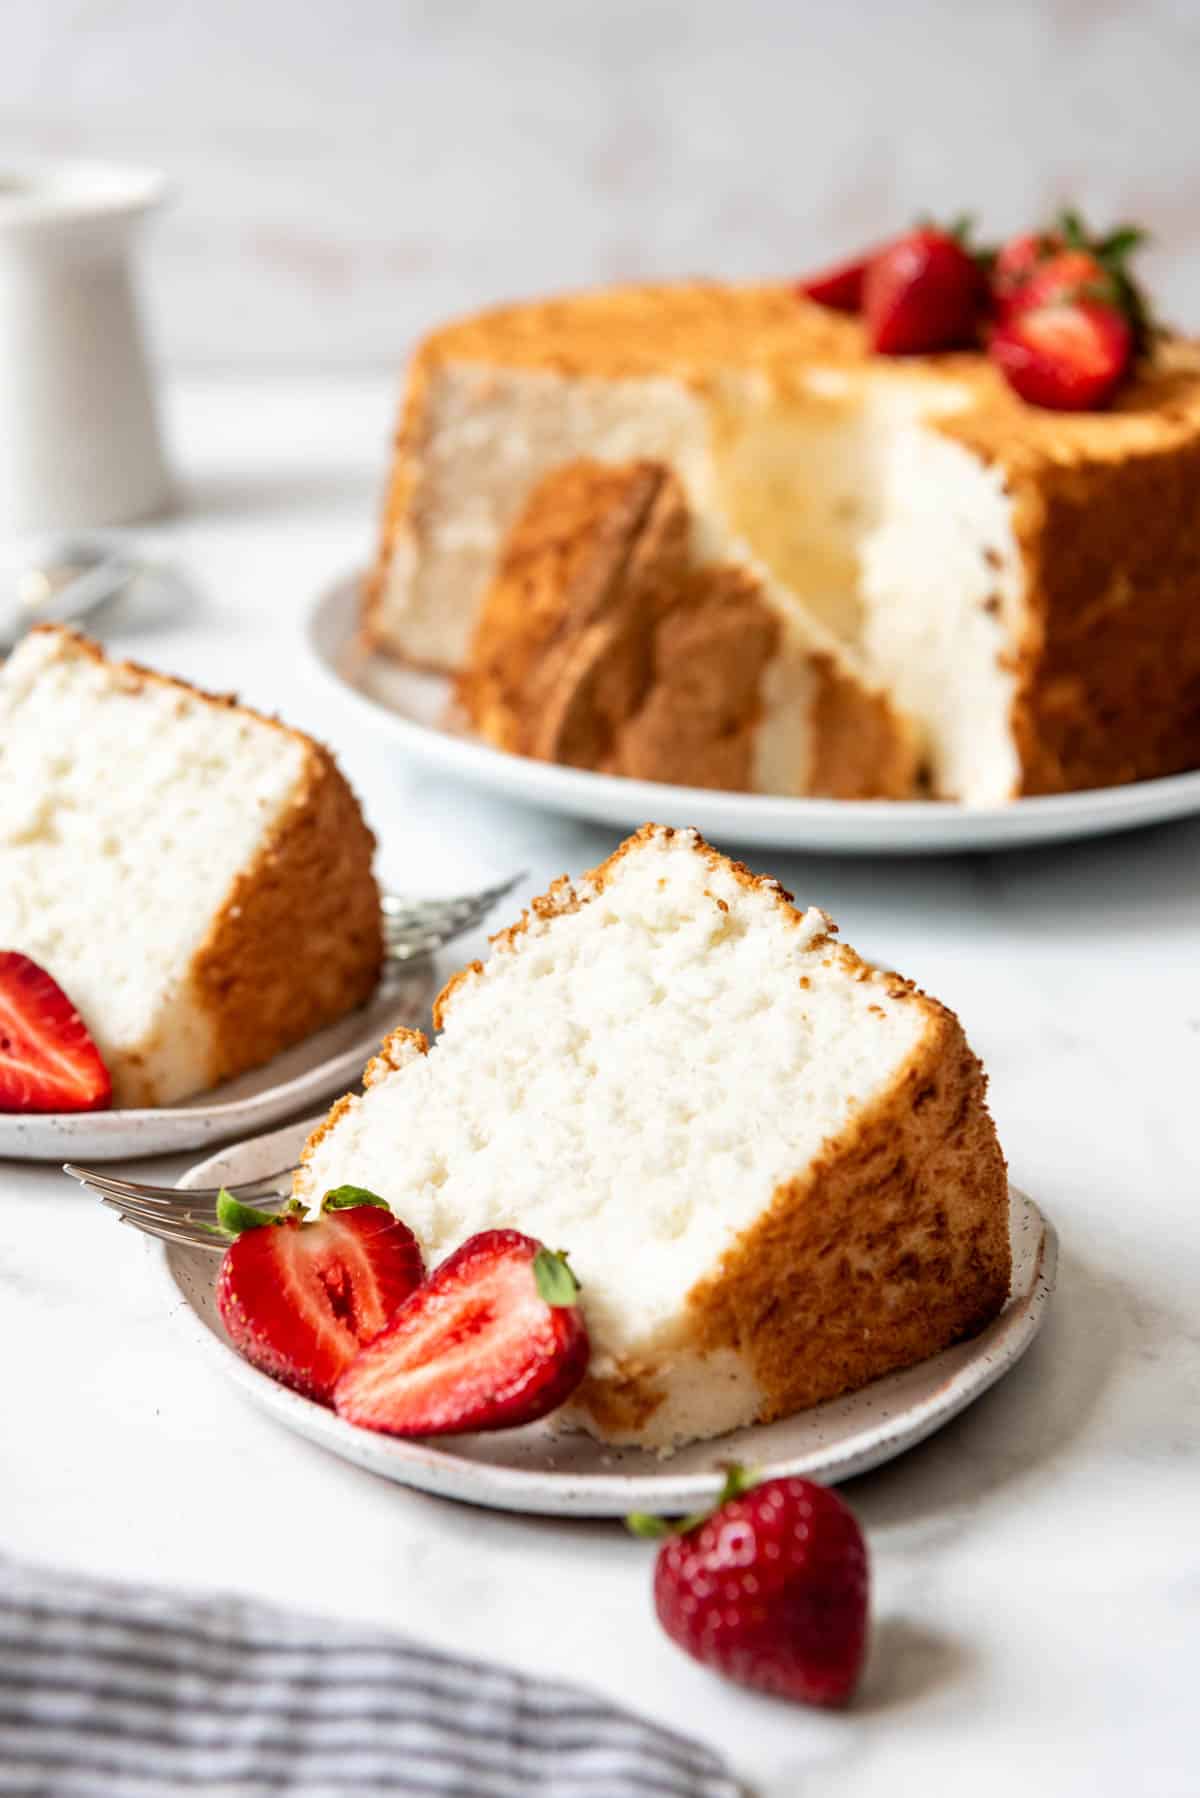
(48, 1061)
(476, 1348)
(839, 287)
(300, 1299)
(1068, 357)
(772, 1591)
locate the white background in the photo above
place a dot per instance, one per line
(350, 171)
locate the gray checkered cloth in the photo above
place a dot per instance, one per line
(115, 1690)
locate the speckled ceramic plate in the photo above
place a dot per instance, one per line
(410, 710)
(323, 1066)
(536, 1470)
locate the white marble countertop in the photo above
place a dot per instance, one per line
(1037, 1564)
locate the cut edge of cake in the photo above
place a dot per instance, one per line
(619, 634)
(888, 1244)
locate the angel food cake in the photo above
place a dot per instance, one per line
(1023, 584)
(771, 1163)
(196, 877)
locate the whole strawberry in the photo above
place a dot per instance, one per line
(770, 1590)
(924, 292)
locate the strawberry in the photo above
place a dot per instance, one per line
(839, 287)
(299, 1298)
(1016, 263)
(1068, 356)
(48, 1061)
(1065, 276)
(769, 1589)
(923, 292)
(493, 1339)
(1070, 262)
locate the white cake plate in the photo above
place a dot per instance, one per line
(569, 1475)
(409, 709)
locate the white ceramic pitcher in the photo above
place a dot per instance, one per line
(79, 435)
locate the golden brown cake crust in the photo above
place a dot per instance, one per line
(907, 1208)
(603, 644)
(1108, 670)
(861, 748)
(299, 941)
(696, 331)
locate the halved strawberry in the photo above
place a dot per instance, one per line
(924, 292)
(839, 287)
(492, 1340)
(300, 1298)
(48, 1061)
(1069, 357)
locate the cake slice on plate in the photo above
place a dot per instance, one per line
(771, 1163)
(196, 877)
(622, 634)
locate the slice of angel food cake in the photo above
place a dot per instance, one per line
(770, 1162)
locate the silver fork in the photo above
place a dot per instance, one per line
(413, 927)
(176, 1215)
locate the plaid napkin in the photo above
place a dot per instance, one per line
(114, 1690)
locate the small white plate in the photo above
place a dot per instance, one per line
(535, 1470)
(411, 709)
(324, 1065)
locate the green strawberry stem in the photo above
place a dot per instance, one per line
(961, 228)
(737, 1481)
(556, 1283)
(234, 1218)
(344, 1198)
(1112, 252)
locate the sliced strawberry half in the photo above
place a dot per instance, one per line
(300, 1298)
(48, 1061)
(839, 287)
(493, 1339)
(1067, 357)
